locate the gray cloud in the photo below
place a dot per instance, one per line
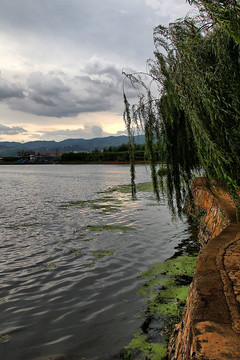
(63, 58)
(97, 88)
(88, 132)
(14, 130)
(121, 28)
(8, 90)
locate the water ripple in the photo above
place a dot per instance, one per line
(56, 296)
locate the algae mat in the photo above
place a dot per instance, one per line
(165, 291)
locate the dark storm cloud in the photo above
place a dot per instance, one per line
(8, 90)
(117, 28)
(14, 130)
(56, 94)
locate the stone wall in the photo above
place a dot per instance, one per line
(208, 329)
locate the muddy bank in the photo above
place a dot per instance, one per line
(210, 326)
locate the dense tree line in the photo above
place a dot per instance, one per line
(110, 154)
(191, 103)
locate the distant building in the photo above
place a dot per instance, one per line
(26, 153)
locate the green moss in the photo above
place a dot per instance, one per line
(145, 187)
(165, 290)
(89, 266)
(94, 204)
(4, 338)
(108, 227)
(75, 252)
(167, 310)
(127, 189)
(85, 239)
(22, 226)
(180, 266)
(106, 208)
(63, 241)
(148, 350)
(49, 266)
(101, 253)
(165, 284)
(179, 293)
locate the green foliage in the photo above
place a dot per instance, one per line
(112, 153)
(194, 119)
(224, 12)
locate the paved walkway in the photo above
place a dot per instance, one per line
(216, 318)
(210, 328)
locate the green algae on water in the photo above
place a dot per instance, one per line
(4, 338)
(75, 252)
(149, 350)
(167, 285)
(180, 266)
(106, 208)
(90, 265)
(127, 189)
(49, 266)
(101, 253)
(23, 226)
(165, 290)
(62, 241)
(108, 228)
(106, 202)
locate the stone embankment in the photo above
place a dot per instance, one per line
(210, 327)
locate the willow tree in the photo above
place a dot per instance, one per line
(194, 110)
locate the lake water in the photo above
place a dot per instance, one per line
(58, 293)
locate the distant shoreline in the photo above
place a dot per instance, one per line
(78, 163)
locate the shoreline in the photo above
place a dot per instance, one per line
(77, 163)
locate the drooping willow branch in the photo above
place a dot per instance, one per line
(193, 120)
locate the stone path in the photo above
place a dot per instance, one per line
(216, 320)
(210, 329)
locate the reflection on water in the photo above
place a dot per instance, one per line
(70, 255)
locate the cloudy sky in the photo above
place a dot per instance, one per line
(61, 63)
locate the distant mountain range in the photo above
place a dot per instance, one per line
(8, 148)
